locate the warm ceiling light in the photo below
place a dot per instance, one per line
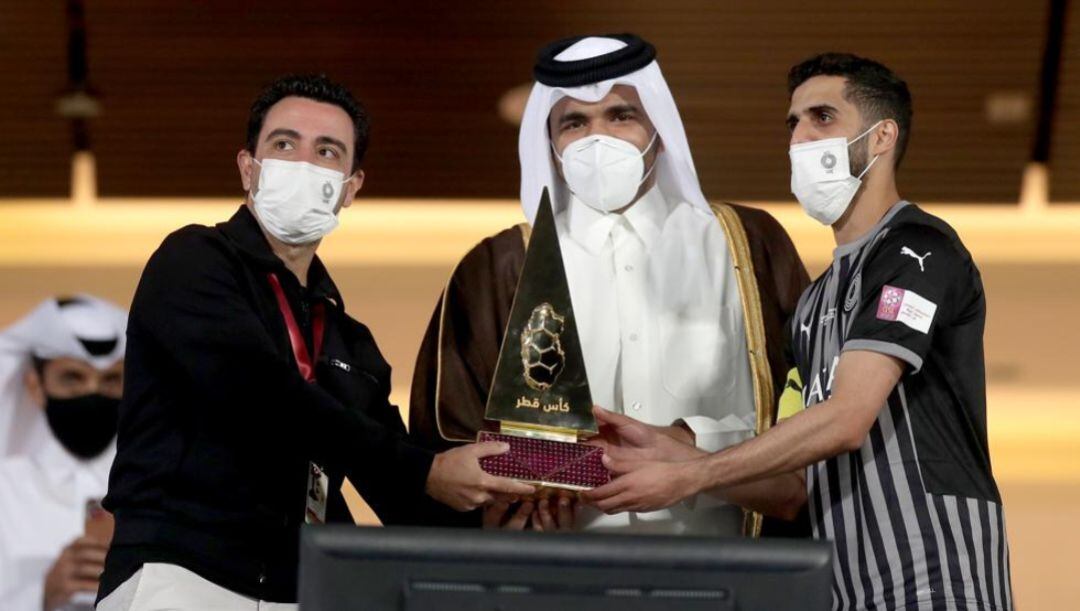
(511, 104)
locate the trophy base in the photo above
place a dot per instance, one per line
(547, 463)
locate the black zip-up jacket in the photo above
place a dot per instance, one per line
(217, 426)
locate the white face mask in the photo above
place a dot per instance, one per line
(604, 172)
(296, 201)
(821, 176)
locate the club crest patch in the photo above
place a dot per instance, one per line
(889, 304)
(853, 292)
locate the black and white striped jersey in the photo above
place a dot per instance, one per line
(915, 513)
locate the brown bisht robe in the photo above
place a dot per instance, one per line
(458, 355)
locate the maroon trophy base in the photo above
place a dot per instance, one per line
(555, 464)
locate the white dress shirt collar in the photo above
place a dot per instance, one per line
(590, 228)
(60, 465)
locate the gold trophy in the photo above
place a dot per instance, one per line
(540, 400)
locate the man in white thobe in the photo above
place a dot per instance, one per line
(651, 271)
(61, 377)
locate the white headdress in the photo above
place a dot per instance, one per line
(82, 327)
(610, 60)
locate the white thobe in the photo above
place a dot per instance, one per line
(658, 309)
(43, 497)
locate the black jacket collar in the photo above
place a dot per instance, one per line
(244, 231)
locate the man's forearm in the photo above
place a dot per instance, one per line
(862, 384)
(804, 439)
(861, 387)
(779, 497)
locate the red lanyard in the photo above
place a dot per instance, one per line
(304, 362)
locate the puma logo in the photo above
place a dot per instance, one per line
(911, 253)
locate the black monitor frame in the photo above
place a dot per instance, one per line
(399, 568)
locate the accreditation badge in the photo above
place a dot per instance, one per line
(318, 488)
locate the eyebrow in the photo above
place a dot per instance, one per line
(281, 131)
(292, 133)
(620, 108)
(574, 115)
(333, 141)
(577, 115)
(793, 118)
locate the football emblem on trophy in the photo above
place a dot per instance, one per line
(542, 355)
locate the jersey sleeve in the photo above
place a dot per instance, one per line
(909, 288)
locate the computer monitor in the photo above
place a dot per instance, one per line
(412, 569)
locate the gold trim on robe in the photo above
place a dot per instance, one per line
(526, 233)
(755, 333)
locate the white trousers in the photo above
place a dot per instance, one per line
(168, 587)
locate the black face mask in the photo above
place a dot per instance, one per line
(85, 425)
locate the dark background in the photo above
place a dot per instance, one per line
(175, 79)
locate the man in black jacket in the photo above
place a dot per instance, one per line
(250, 393)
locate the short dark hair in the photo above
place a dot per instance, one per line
(315, 87)
(875, 90)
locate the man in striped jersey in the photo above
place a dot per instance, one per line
(888, 343)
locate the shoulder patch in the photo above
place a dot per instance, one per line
(907, 307)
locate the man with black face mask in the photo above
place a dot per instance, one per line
(61, 374)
